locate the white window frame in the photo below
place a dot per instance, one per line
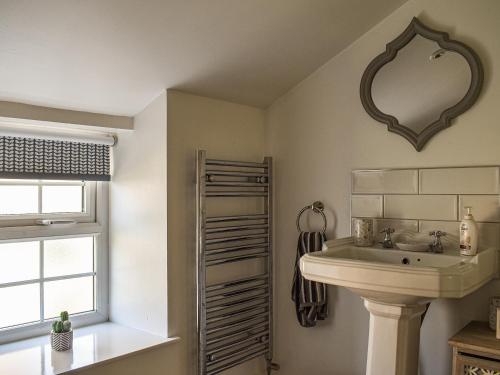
(87, 216)
(91, 223)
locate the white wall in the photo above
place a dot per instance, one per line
(138, 227)
(319, 131)
(138, 223)
(226, 131)
(159, 361)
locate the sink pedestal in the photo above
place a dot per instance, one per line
(394, 338)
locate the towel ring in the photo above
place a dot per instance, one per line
(317, 207)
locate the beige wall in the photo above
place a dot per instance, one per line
(138, 220)
(160, 361)
(226, 131)
(138, 243)
(319, 131)
(12, 112)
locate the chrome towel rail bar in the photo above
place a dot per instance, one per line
(236, 228)
(260, 327)
(237, 362)
(237, 258)
(228, 291)
(259, 337)
(244, 322)
(251, 347)
(237, 184)
(225, 250)
(215, 172)
(236, 292)
(229, 163)
(223, 193)
(240, 329)
(237, 303)
(234, 316)
(233, 313)
(236, 282)
(244, 237)
(218, 219)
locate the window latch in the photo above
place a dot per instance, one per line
(47, 222)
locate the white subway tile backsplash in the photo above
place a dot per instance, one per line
(429, 199)
(489, 233)
(484, 207)
(425, 207)
(478, 180)
(398, 225)
(450, 227)
(402, 181)
(366, 206)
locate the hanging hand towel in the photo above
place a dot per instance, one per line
(311, 302)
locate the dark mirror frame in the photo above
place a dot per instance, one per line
(442, 39)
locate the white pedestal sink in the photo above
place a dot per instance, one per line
(395, 286)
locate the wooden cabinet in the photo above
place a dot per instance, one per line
(476, 351)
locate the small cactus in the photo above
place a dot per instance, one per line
(63, 325)
(66, 325)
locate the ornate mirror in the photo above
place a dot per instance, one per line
(420, 83)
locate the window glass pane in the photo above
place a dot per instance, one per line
(19, 261)
(68, 256)
(15, 199)
(62, 199)
(20, 304)
(73, 295)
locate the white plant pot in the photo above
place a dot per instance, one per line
(61, 341)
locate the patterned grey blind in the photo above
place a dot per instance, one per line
(29, 158)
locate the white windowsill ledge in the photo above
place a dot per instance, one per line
(93, 345)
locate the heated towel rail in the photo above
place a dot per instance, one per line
(234, 316)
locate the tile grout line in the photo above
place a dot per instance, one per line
(427, 194)
(418, 181)
(383, 206)
(423, 220)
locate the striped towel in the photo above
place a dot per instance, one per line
(311, 302)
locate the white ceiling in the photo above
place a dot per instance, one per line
(115, 56)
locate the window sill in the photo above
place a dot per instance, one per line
(92, 346)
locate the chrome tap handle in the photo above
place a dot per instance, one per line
(387, 231)
(437, 233)
(387, 241)
(436, 246)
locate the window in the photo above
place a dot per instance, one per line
(23, 202)
(47, 267)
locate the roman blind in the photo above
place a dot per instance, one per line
(36, 157)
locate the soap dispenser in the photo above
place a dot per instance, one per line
(468, 234)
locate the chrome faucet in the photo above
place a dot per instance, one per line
(436, 246)
(387, 241)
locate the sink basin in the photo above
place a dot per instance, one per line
(397, 276)
(395, 286)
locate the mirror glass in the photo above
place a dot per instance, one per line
(420, 83)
